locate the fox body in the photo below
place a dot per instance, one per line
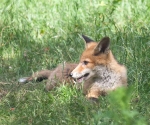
(97, 70)
(61, 74)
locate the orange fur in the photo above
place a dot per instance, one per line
(105, 74)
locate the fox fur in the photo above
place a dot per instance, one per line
(97, 69)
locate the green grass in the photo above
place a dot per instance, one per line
(37, 35)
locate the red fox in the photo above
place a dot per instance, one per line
(97, 70)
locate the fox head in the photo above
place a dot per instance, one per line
(95, 54)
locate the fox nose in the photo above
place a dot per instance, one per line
(70, 74)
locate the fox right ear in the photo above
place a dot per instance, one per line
(103, 46)
(87, 40)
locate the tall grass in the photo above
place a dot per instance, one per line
(36, 35)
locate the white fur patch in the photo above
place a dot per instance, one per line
(106, 78)
(23, 80)
(102, 78)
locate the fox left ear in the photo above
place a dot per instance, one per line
(103, 46)
(87, 40)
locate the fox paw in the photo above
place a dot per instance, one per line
(93, 99)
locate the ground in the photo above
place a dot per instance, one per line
(37, 35)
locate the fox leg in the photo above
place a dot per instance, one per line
(93, 93)
(38, 76)
(51, 83)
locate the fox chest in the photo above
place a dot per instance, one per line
(107, 79)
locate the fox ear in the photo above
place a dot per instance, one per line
(87, 40)
(103, 46)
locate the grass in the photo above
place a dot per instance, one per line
(36, 35)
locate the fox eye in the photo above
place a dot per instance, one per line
(85, 62)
